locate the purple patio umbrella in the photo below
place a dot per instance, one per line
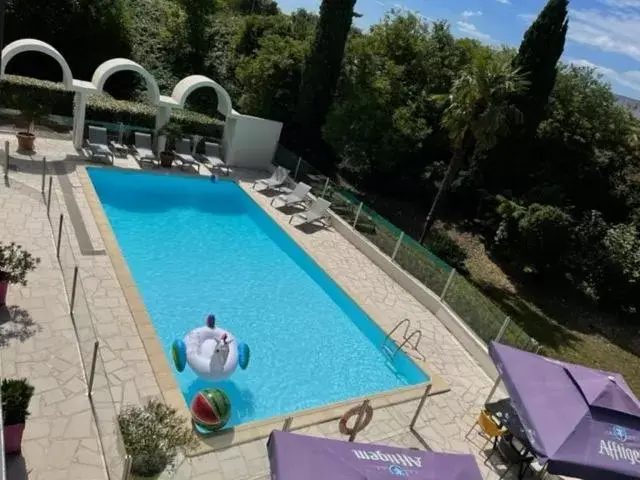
(583, 422)
(299, 457)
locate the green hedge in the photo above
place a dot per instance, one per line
(100, 107)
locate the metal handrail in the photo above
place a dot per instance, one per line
(406, 340)
(406, 330)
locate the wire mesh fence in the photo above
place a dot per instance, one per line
(480, 313)
(99, 391)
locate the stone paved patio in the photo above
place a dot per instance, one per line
(37, 341)
(444, 421)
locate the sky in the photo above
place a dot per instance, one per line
(603, 34)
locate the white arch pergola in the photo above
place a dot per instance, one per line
(32, 45)
(248, 141)
(115, 65)
(187, 85)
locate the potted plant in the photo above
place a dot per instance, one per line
(173, 132)
(32, 109)
(16, 395)
(15, 263)
(152, 435)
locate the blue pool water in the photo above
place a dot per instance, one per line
(195, 247)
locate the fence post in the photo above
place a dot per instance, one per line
(493, 389)
(420, 405)
(93, 366)
(73, 290)
(44, 172)
(448, 284)
(6, 159)
(324, 190)
(359, 419)
(287, 424)
(295, 175)
(59, 236)
(126, 472)
(49, 196)
(503, 329)
(355, 220)
(397, 247)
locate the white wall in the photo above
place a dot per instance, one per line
(250, 142)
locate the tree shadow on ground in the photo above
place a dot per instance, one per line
(16, 324)
(534, 321)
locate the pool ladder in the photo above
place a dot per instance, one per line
(406, 338)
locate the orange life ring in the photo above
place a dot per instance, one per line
(355, 411)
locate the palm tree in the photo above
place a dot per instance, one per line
(479, 112)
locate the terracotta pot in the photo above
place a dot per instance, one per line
(4, 287)
(13, 438)
(166, 159)
(26, 140)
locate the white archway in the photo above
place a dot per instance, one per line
(184, 87)
(33, 45)
(108, 68)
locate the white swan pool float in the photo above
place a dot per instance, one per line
(212, 352)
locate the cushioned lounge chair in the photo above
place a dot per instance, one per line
(98, 144)
(142, 148)
(183, 154)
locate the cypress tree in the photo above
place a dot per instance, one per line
(322, 67)
(537, 58)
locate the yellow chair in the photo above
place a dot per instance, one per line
(489, 429)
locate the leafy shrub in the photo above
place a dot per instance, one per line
(15, 92)
(537, 235)
(15, 263)
(621, 251)
(152, 435)
(443, 246)
(16, 395)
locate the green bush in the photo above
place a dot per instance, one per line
(16, 395)
(152, 435)
(443, 246)
(16, 91)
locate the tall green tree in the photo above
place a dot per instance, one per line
(322, 67)
(479, 112)
(537, 58)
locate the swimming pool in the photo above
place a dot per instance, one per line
(196, 247)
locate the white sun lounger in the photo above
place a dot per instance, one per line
(319, 210)
(183, 153)
(277, 179)
(213, 157)
(142, 148)
(295, 197)
(98, 144)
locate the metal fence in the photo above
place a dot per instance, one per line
(480, 313)
(98, 388)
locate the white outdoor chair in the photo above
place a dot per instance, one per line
(277, 179)
(295, 197)
(319, 210)
(212, 156)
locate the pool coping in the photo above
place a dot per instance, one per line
(165, 378)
